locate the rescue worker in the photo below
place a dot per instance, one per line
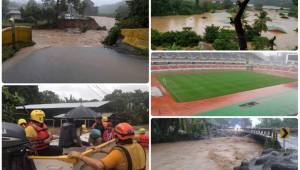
(126, 155)
(98, 125)
(108, 133)
(38, 134)
(22, 123)
(143, 138)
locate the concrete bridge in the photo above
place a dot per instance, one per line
(273, 134)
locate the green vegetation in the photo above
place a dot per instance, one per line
(138, 17)
(226, 40)
(186, 7)
(261, 43)
(8, 51)
(172, 130)
(131, 107)
(190, 87)
(44, 14)
(293, 12)
(185, 38)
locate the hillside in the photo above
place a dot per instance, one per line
(110, 9)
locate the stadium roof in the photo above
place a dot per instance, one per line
(63, 105)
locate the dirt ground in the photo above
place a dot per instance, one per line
(214, 154)
(166, 105)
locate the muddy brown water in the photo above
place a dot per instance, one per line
(214, 154)
(58, 37)
(221, 18)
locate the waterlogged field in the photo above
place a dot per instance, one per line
(190, 87)
(288, 39)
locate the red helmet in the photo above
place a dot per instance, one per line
(124, 131)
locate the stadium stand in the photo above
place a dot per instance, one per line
(207, 60)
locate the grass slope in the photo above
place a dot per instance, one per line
(190, 87)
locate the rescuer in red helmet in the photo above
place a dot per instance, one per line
(126, 155)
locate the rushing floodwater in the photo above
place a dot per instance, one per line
(221, 18)
(214, 154)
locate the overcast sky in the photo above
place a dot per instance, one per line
(97, 2)
(88, 92)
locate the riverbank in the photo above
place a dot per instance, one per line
(223, 153)
(272, 159)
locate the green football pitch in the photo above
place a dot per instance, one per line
(190, 87)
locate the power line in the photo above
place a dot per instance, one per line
(100, 97)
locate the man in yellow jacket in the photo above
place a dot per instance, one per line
(38, 134)
(126, 155)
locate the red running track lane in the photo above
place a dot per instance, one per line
(167, 106)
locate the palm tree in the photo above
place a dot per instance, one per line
(260, 24)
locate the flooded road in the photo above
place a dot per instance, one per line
(214, 154)
(220, 18)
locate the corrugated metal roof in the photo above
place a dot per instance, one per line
(62, 105)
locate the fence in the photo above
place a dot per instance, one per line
(137, 38)
(23, 35)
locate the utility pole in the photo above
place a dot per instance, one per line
(13, 33)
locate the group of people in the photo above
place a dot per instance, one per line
(128, 154)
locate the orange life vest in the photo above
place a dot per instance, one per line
(144, 140)
(38, 143)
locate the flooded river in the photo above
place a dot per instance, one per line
(214, 154)
(221, 18)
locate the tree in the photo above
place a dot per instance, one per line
(237, 21)
(226, 40)
(131, 107)
(49, 97)
(197, 3)
(49, 11)
(227, 4)
(260, 43)
(30, 94)
(211, 33)
(260, 23)
(32, 12)
(5, 9)
(9, 103)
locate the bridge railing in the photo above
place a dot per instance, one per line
(23, 35)
(267, 132)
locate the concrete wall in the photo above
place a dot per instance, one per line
(137, 38)
(23, 35)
